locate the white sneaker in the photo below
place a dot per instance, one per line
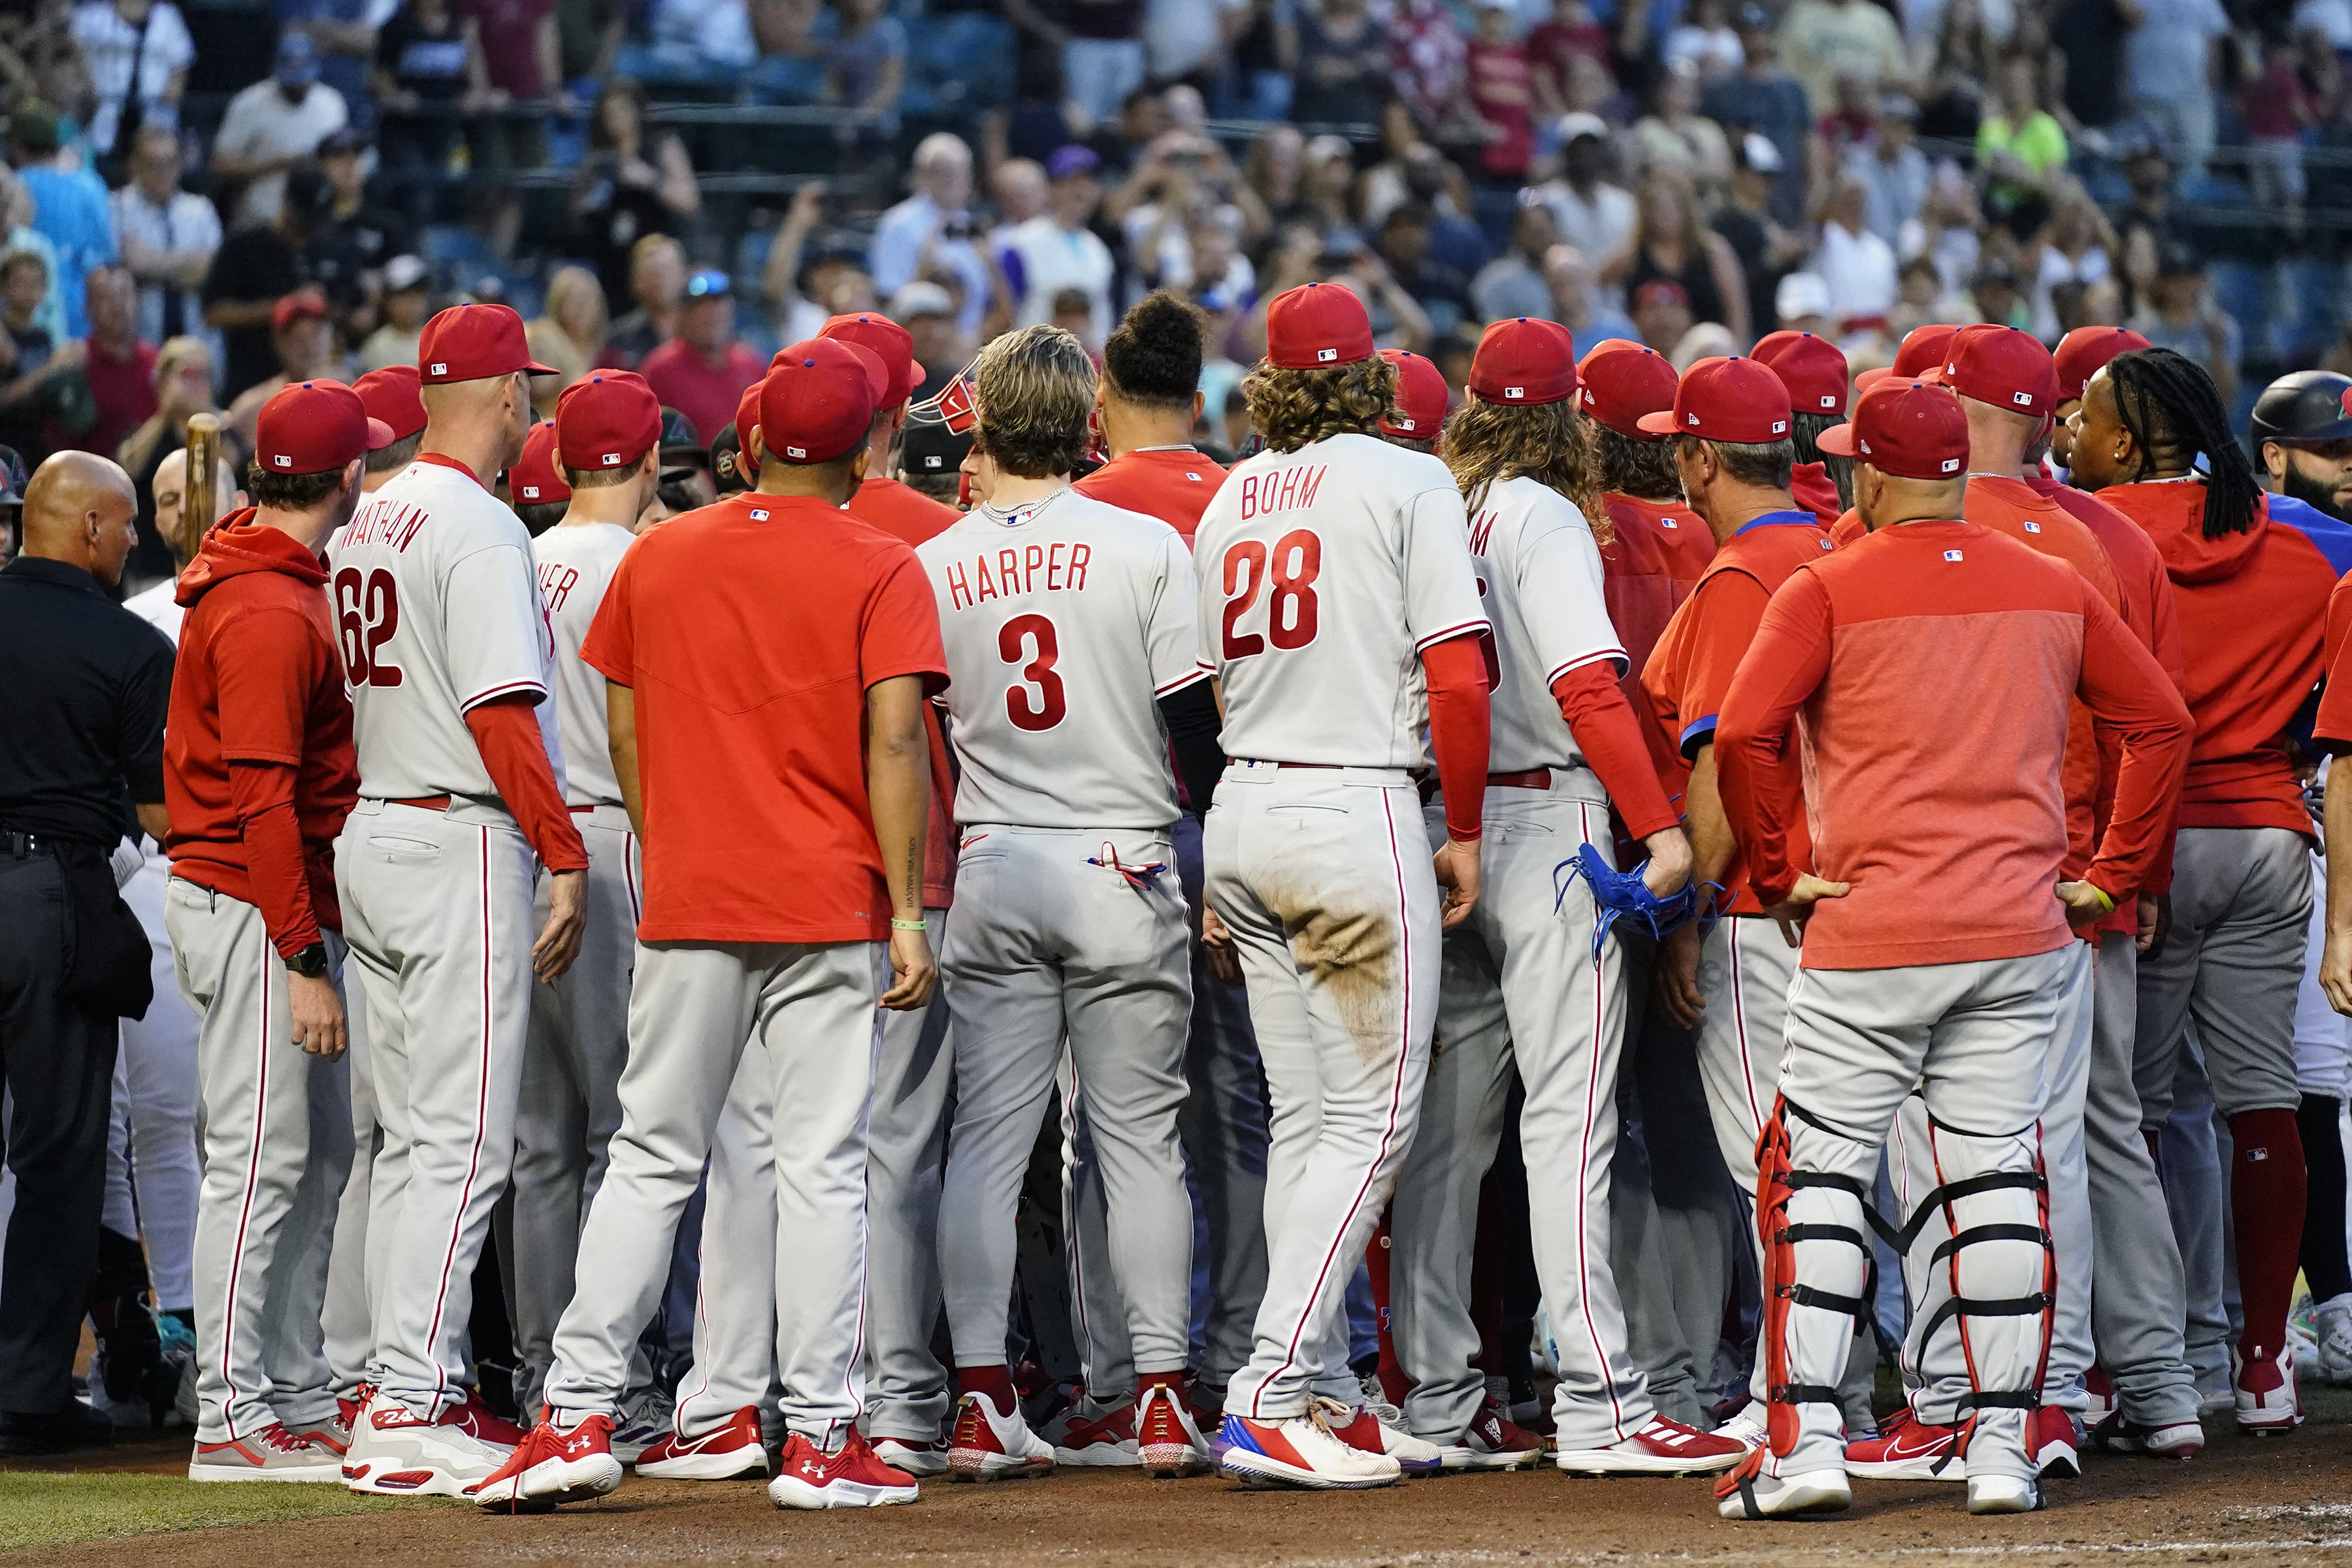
(991, 1447)
(916, 1459)
(1376, 1400)
(396, 1452)
(273, 1455)
(2004, 1494)
(1747, 1428)
(1167, 1441)
(2331, 1323)
(1363, 1427)
(1298, 1452)
(2264, 1394)
(1786, 1497)
(644, 1421)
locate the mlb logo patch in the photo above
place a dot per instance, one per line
(796, 451)
(1194, 477)
(1404, 424)
(2033, 528)
(2022, 399)
(1515, 391)
(1691, 419)
(1829, 403)
(1952, 466)
(282, 461)
(1325, 356)
(438, 370)
(1863, 445)
(759, 514)
(530, 492)
(1780, 427)
(1951, 555)
(612, 459)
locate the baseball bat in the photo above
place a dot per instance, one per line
(201, 486)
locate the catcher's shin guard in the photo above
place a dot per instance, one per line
(1811, 1208)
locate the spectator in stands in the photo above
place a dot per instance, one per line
(2078, 247)
(1553, 46)
(404, 306)
(1502, 91)
(1513, 283)
(1670, 242)
(866, 66)
(1021, 190)
(658, 283)
(374, 233)
(928, 316)
(167, 235)
(1997, 294)
(430, 79)
(1801, 304)
(183, 383)
(2090, 35)
(1675, 139)
(126, 39)
(118, 364)
(1428, 58)
(344, 34)
(1575, 303)
(1343, 63)
(1057, 250)
(256, 267)
(1706, 39)
(1857, 265)
(1442, 293)
(1327, 189)
(702, 371)
(274, 125)
(1918, 298)
(17, 233)
(1895, 174)
(32, 363)
(796, 284)
(1275, 169)
(702, 40)
(1764, 98)
(517, 43)
(1592, 215)
(1826, 39)
(1764, 249)
(302, 335)
(1661, 314)
(568, 334)
(934, 226)
(2179, 315)
(68, 206)
(631, 185)
(2022, 144)
(1101, 46)
(2277, 110)
(2175, 59)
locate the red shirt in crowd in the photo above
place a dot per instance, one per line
(1174, 486)
(1502, 90)
(1934, 664)
(509, 31)
(124, 391)
(258, 770)
(749, 632)
(707, 393)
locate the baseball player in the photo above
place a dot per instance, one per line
(1729, 423)
(1070, 633)
(1814, 371)
(2078, 356)
(1524, 984)
(767, 659)
(394, 396)
(536, 484)
(258, 777)
(606, 428)
(1936, 929)
(1341, 609)
(1422, 398)
(450, 660)
(2251, 576)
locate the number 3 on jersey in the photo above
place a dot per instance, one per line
(1049, 705)
(1286, 578)
(366, 615)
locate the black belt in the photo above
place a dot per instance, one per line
(20, 845)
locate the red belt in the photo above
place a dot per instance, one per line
(1536, 778)
(424, 803)
(579, 810)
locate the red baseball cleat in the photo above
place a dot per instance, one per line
(730, 1449)
(850, 1477)
(553, 1467)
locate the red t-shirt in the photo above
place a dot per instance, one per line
(1174, 486)
(1935, 665)
(751, 631)
(1691, 669)
(901, 510)
(1502, 90)
(706, 394)
(510, 51)
(2335, 722)
(909, 516)
(258, 770)
(124, 389)
(1647, 572)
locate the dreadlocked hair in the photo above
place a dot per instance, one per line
(1630, 466)
(1807, 428)
(1294, 407)
(1543, 442)
(2166, 401)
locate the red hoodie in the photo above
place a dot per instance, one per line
(258, 772)
(2253, 617)
(1816, 491)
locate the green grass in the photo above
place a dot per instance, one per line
(45, 1509)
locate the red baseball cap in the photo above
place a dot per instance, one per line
(818, 402)
(1922, 349)
(1620, 381)
(1317, 326)
(391, 395)
(1726, 399)
(1524, 359)
(747, 418)
(1998, 365)
(1422, 396)
(607, 420)
(312, 426)
(890, 343)
(474, 342)
(1911, 429)
(1812, 368)
(535, 481)
(2084, 351)
(301, 305)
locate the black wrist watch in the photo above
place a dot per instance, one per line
(310, 961)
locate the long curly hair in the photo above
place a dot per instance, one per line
(1489, 441)
(1294, 407)
(1632, 466)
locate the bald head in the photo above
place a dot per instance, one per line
(169, 489)
(481, 424)
(78, 509)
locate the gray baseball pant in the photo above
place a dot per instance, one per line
(735, 1303)
(156, 1093)
(349, 1317)
(906, 1138)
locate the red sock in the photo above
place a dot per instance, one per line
(996, 1382)
(2266, 1197)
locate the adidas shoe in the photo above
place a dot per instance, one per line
(2265, 1397)
(1300, 1452)
(851, 1477)
(1661, 1448)
(730, 1449)
(1491, 1443)
(988, 1447)
(1361, 1427)
(553, 1465)
(1909, 1449)
(1106, 1441)
(1168, 1440)
(396, 1452)
(914, 1457)
(272, 1455)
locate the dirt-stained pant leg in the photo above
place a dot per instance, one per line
(1324, 877)
(735, 1303)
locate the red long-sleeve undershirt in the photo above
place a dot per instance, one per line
(277, 865)
(506, 731)
(1592, 701)
(1460, 730)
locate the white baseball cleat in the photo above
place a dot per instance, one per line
(730, 1449)
(916, 1459)
(1661, 1448)
(2004, 1494)
(2265, 1396)
(851, 1477)
(553, 1465)
(1361, 1427)
(988, 1447)
(2179, 1440)
(1747, 1428)
(396, 1452)
(1491, 1443)
(273, 1455)
(1298, 1452)
(1760, 1496)
(2331, 1325)
(1169, 1445)
(644, 1421)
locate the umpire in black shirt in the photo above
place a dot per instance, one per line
(83, 686)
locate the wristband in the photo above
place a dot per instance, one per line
(897, 924)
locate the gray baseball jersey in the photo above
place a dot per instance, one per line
(438, 610)
(1539, 574)
(575, 565)
(1323, 574)
(1063, 622)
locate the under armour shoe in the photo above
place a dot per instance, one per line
(1106, 1441)
(2119, 1434)
(480, 1421)
(849, 1477)
(1299, 1451)
(987, 1446)
(1909, 1449)
(1361, 1426)
(2004, 1494)
(272, 1455)
(914, 1457)
(2331, 1325)
(729, 1449)
(1491, 1443)
(2266, 1399)
(2055, 1444)
(1663, 1446)
(645, 1420)
(553, 1465)
(396, 1452)
(1169, 1445)
(1748, 1492)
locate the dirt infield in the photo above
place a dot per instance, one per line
(2243, 1502)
